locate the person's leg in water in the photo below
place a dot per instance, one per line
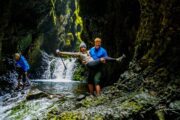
(20, 73)
(93, 79)
(97, 78)
(91, 88)
(90, 82)
(25, 79)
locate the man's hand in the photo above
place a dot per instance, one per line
(102, 60)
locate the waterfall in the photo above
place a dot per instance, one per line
(55, 68)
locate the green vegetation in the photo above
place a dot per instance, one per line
(35, 54)
(95, 101)
(78, 23)
(24, 43)
(53, 12)
(80, 73)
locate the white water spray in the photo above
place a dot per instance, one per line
(56, 70)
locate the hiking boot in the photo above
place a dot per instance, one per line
(119, 59)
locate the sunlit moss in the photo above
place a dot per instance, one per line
(71, 116)
(68, 42)
(78, 22)
(89, 102)
(98, 117)
(131, 106)
(68, 9)
(160, 114)
(70, 36)
(52, 12)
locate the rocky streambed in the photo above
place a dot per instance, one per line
(59, 101)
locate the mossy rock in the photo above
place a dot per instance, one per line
(80, 73)
(94, 101)
(24, 43)
(131, 106)
(36, 94)
(175, 105)
(71, 116)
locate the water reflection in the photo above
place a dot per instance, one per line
(60, 87)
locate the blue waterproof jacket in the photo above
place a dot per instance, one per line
(22, 63)
(98, 53)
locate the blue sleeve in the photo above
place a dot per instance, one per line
(105, 53)
(25, 65)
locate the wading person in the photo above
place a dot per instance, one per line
(22, 68)
(98, 53)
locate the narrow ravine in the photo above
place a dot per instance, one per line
(145, 86)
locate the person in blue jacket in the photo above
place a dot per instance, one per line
(22, 68)
(100, 56)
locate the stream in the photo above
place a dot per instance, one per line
(43, 94)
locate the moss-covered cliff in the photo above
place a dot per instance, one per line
(30, 27)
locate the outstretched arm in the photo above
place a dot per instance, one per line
(73, 54)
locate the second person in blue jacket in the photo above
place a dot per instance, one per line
(22, 68)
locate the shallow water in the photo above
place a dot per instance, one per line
(15, 106)
(63, 87)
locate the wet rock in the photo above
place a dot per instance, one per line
(36, 94)
(8, 81)
(80, 97)
(175, 105)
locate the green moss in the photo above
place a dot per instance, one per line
(89, 102)
(78, 20)
(160, 114)
(16, 109)
(69, 39)
(98, 117)
(68, 42)
(78, 23)
(80, 73)
(53, 115)
(35, 53)
(53, 12)
(24, 42)
(131, 106)
(68, 9)
(71, 116)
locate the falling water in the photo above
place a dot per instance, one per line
(58, 69)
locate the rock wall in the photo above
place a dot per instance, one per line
(146, 31)
(30, 27)
(116, 22)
